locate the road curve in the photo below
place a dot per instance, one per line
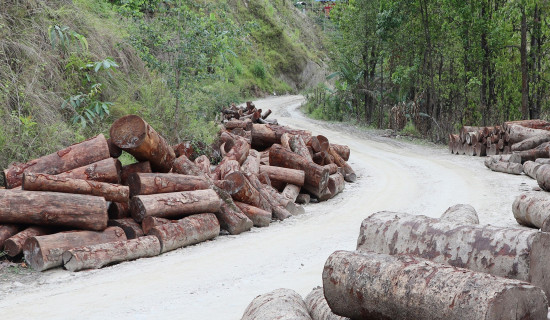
(217, 279)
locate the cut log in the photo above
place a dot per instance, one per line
(107, 170)
(252, 164)
(226, 167)
(277, 304)
(14, 245)
(502, 166)
(465, 130)
(77, 155)
(99, 255)
(543, 161)
(150, 222)
(349, 174)
(153, 183)
(298, 145)
(53, 209)
(336, 183)
(245, 191)
(184, 148)
(480, 150)
(243, 124)
(46, 182)
(119, 210)
(303, 198)
(174, 204)
(542, 151)
(543, 176)
(187, 231)
(519, 133)
(533, 210)
(342, 150)
(362, 285)
(332, 168)
(259, 217)
(239, 151)
(531, 143)
(139, 167)
(265, 135)
(7, 231)
(506, 158)
(318, 307)
(135, 136)
(505, 252)
(183, 165)
(45, 252)
(291, 192)
(114, 151)
(534, 123)
(131, 228)
(491, 150)
(286, 175)
(204, 164)
(530, 168)
(461, 213)
(266, 114)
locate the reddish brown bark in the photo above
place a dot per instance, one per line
(282, 174)
(14, 245)
(150, 222)
(204, 164)
(107, 170)
(7, 231)
(226, 167)
(291, 192)
(259, 217)
(342, 150)
(303, 198)
(119, 210)
(298, 145)
(152, 183)
(128, 170)
(245, 192)
(131, 228)
(349, 175)
(183, 149)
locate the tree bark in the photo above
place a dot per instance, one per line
(318, 307)
(107, 170)
(139, 167)
(53, 209)
(265, 135)
(131, 228)
(530, 168)
(203, 163)
(277, 304)
(226, 167)
(259, 217)
(286, 175)
(531, 143)
(291, 192)
(46, 182)
(153, 183)
(72, 157)
(245, 191)
(504, 166)
(533, 123)
(135, 136)
(367, 285)
(461, 214)
(303, 198)
(45, 252)
(349, 175)
(533, 210)
(7, 231)
(118, 210)
(14, 245)
(187, 231)
(150, 222)
(243, 124)
(185, 148)
(542, 151)
(298, 146)
(517, 133)
(342, 150)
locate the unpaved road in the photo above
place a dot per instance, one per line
(217, 279)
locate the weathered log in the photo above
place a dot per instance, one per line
(53, 209)
(153, 183)
(119, 210)
(266, 114)
(107, 170)
(332, 168)
(135, 136)
(14, 245)
(342, 150)
(243, 124)
(530, 168)
(503, 166)
(286, 175)
(264, 135)
(461, 213)
(543, 176)
(303, 198)
(239, 150)
(77, 155)
(541, 151)
(131, 228)
(465, 130)
(349, 175)
(150, 222)
(283, 202)
(505, 252)
(187, 231)
(519, 133)
(252, 164)
(320, 157)
(259, 217)
(318, 307)
(366, 285)
(184, 148)
(506, 158)
(7, 231)
(138, 167)
(336, 183)
(480, 150)
(277, 304)
(245, 191)
(543, 161)
(226, 167)
(203, 163)
(98, 255)
(491, 150)
(533, 210)
(114, 151)
(323, 142)
(183, 165)
(45, 252)
(174, 204)
(534, 124)
(531, 143)
(298, 145)
(291, 192)
(46, 182)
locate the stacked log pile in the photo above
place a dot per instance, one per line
(80, 208)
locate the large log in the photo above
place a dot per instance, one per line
(203, 163)
(515, 158)
(46, 182)
(7, 231)
(152, 183)
(530, 168)
(150, 222)
(225, 167)
(187, 231)
(135, 136)
(77, 155)
(366, 285)
(14, 245)
(174, 204)
(519, 133)
(461, 213)
(245, 191)
(107, 170)
(98, 255)
(298, 145)
(318, 307)
(531, 143)
(265, 135)
(259, 217)
(286, 175)
(53, 209)
(543, 177)
(503, 166)
(119, 210)
(543, 161)
(534, 123)
(45, 252)
(131, 228)
(278, 304)
(505, 252)
(533, 210)
(138, 167)
(542, 151)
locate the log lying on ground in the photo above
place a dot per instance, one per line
(45, 252)
(342, 150)
(14, 245)
(128, 170)
(99, 255)
(152, 183)
(543, 177)
(542, 151)
(543, 161)
(349, 174)
(505, 252)
(461, 213)
(277, 304)
(259, 217)
(533, 210)
(245, 191)
(515, 158)
(118, 210)
(174, 204)
(318, 307)
(53, 209)
(187, 231)
(7, 231)
(135, 136)
(533, 123)
(378, 286)
(264, 135)
(46, 182)
(77, 155)
(503, 166)
(298, 145)
(303, 198)
(131, 228)
(150, 222)
(530, 168)
(286, 175)
(519, 133)
(291, 192)
(107, 170)
(531, 143)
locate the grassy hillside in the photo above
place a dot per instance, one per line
(68, 69)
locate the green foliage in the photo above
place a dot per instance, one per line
(258, 70)
(64, 37)
(410, 130)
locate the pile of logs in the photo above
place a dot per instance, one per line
(79, 208)
(247, 112)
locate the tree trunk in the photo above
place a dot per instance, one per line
(119, 210)
(245, 191)
(519, 133)
(543, 161)
(98, 255)
(367, 285)
(533, 124)
(318, 307)
(72, 157)
(533, 210)
(504, 252)
(277, 304)
(543, 177)
(14, 245)
(243, 124)
(45, 252)
(542, 151)
(524, 67)
(265, 135)
(150, 222)
(291, 192)
(342, 150)
(252, 164)
(298, 146)
(128, 170)
(286, 175)
(153, 183)
(504, 166)
(45, 182)
(53, 209)
(349, 175)
(174, 204)
(203, 163)
(530, 168)
(515, 158)
(131, 228)
(225, 167)
(259, 217)
(187, 231)
(107, 170)
(531, 143)
(7, 231)
(185, 148)
(135, 136)
(461, 214)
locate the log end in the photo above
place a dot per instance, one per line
(540, 260)
(33, 254)
(521, 302)
(128, 132)
(137, 209)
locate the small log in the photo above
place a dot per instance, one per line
(465, 130)
(543, 177)
(7, 231)
(266, 114)
(153, 183)
(367, 285)
(204, 164)
(530, 168)
(131, 228)
(259, 217)
(252, 164)
(243, 124)
(461, 213)
(226, 167)
(114, 151)
(107, 170)
(187, 231)
(150, 222)
(135, 136)
(342, 150)
(279, 200)
(349, 175)
(14, 245)
(238, 150)
(183, 165)
(174, 204)
(53, 209)
(298, 145)
(318, 307)
(46, 182)
(515, 158)
(139, 167)
(184, 148)
(265, 135)
(336, 183)
(320, 157)
(542, 151)
(533, 210)
(291, 192)
(303, 198)
(332, 168)
(286, 175)
(323, 142)
(502, 166)
(277, 304)
(543, 161)
(245, 191)
(45, 252)
(119, 210)
(72, 157)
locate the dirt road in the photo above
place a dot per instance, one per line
(217, 279)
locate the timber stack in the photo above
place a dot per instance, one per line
(81, 209)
